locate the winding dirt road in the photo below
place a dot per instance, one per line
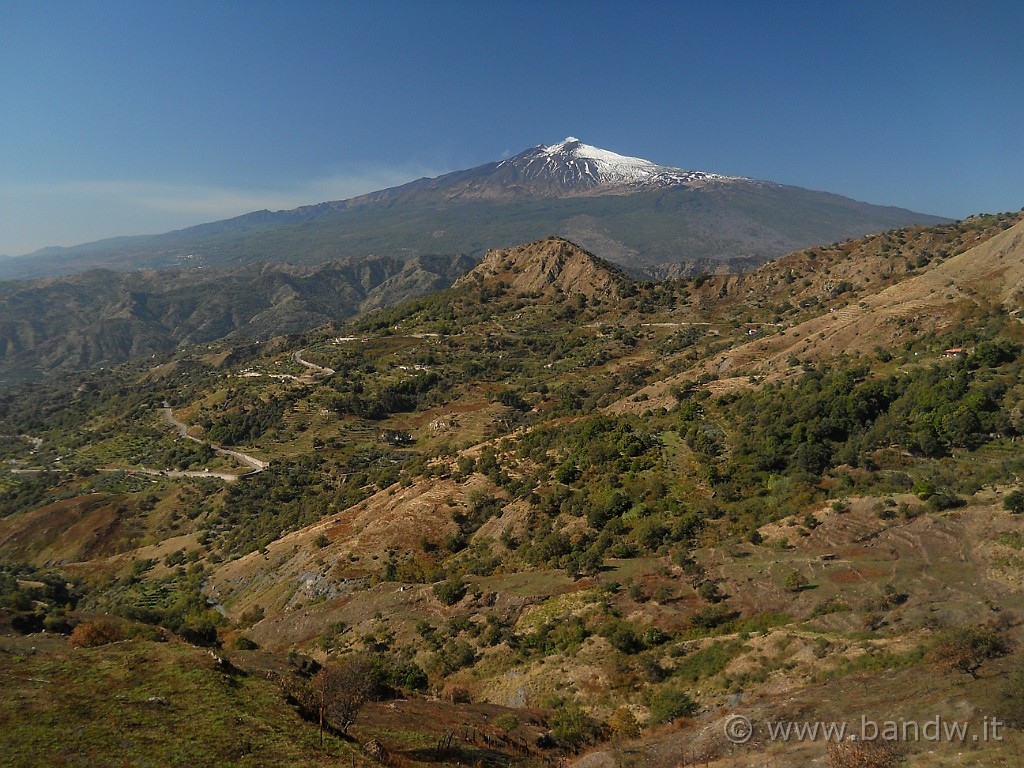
(225, 476)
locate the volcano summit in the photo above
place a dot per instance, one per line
(651, 219)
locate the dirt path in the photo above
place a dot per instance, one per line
(225, 476)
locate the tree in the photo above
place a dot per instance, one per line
(450, 591)
(507, 722)
(623, 724)
(796, 582)
(94, 633)
(586, 563)
(709, 591)
(1014, 503)
(568, 473)
(570, 727)
(668, 704)
(711, 616)
(337, 692)
(623, 637)
(965, 649)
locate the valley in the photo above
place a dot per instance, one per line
(563, 515)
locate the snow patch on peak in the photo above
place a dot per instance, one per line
(573, 164)
(578, 149)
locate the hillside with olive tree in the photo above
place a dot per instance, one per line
(560, 515)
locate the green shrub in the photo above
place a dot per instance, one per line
(709, 591)
(570, 727)
(450, 591)
(1014, 502)
(942, 501)
(707, 661)
(507, 722)
(711, 617)
(668, 704)
(406, 676)
(796, 582)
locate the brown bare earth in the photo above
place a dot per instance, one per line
(295, 569)
(987, 275)
(536, 583)
(67, 531)
(545, 267)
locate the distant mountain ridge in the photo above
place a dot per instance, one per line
(101, 317)
(646, 217)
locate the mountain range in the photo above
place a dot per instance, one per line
(101, 317)
(264, 273)
(648, 218)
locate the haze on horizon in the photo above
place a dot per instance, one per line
(125, 118)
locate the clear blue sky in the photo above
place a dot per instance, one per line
(133, 117)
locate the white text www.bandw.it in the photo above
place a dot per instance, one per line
(933, 730)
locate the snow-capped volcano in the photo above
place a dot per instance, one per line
(567, 169)
(624, 209)
(573, 165)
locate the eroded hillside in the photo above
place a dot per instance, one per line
(611, 514)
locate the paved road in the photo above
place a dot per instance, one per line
(312, 366)
(251, 461)
(255, 465)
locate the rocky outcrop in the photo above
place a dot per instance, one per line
(549, 266)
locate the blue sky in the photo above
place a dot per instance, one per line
(135, 117)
